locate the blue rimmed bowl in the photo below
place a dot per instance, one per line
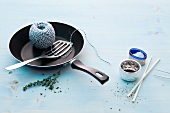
(138, 55)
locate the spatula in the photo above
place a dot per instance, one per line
(58, 49)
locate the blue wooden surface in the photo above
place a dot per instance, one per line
(112, 27)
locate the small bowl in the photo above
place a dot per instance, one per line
(133, 54)
(129, 75)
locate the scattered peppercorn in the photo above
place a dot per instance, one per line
(51, 87)
(10, 72)
(58, 72)
(54, 74)
(14, 82)
(24, 88)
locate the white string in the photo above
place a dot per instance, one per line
(96, 52)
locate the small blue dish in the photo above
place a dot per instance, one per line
(138, 55)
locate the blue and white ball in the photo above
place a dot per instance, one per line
(42, 35)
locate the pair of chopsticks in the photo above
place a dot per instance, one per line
(138, 85)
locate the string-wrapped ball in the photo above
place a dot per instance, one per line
(42, 35)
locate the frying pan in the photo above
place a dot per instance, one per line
(21, 48)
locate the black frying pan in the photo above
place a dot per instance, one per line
(22, 49)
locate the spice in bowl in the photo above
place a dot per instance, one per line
(129, 70)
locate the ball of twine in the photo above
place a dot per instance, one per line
(42, 35)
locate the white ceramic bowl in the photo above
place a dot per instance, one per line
(129, 76)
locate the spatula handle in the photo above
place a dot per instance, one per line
(15, 66)
(100, 76)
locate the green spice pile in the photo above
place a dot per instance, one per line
(46, 82)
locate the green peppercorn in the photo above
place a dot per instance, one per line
(51, 87)
(58, 72)
(47, 84)
(24, 88)
(53, 82)
(34, 84)
(30, 84)
(55, 79)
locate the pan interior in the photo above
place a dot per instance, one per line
(22, 49)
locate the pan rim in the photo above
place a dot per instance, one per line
(60, 22)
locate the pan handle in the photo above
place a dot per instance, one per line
(100, 76)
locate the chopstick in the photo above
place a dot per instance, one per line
(145, 74)
(137, 91)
